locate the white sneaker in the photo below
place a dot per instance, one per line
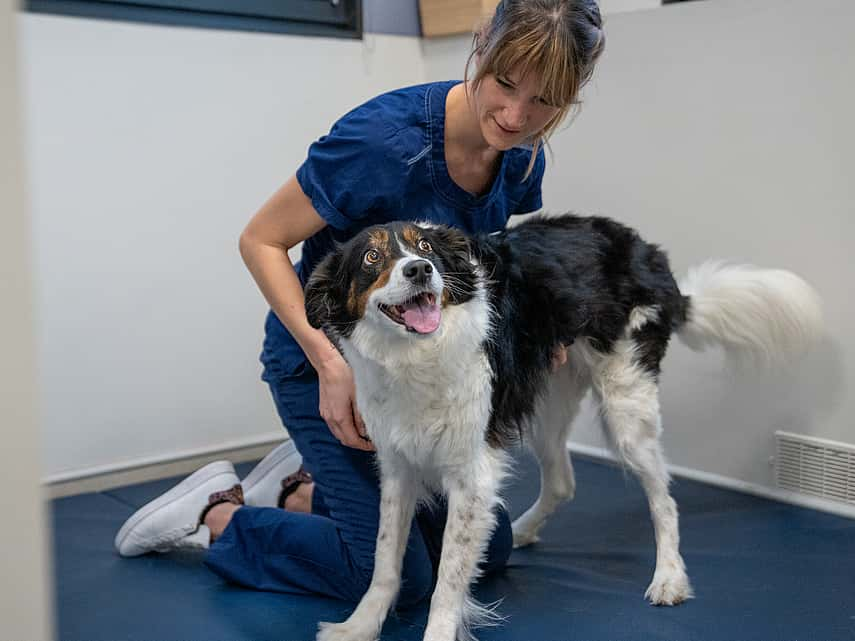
(263, 484)
(171, 521)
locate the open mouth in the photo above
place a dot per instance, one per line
(419, 314)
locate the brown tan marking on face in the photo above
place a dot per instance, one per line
(357, 301)
(379, 239)
(412, 235)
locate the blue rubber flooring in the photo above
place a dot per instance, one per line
(761, 570)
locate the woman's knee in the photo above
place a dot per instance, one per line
(501, 544)
(417, 581)
(418, 576)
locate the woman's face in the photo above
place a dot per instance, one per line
(509, 109)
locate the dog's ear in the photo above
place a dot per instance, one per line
(455, 250)
(324, 291)
(453, 247)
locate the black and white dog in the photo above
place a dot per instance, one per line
(451, 340)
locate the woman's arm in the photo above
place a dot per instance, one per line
(285, 220)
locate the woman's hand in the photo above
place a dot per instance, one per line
(338, 404)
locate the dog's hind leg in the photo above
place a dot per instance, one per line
(628, 393)
(550, 428)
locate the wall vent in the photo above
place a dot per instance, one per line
(816, 466)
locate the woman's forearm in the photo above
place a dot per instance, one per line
(276, 278)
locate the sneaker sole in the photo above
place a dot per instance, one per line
(264, 468)
(203, 475)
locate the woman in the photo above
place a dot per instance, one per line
(465, 154)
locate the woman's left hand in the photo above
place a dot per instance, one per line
(559, 357)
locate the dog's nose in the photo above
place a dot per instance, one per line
(418, 271)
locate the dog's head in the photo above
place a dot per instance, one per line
(400, 277)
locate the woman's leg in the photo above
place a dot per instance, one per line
(331, 552)
(431, 521)
(333, 555)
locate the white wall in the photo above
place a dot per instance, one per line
(719, 128)
(150, 148)
(608, 7)
(24, 568)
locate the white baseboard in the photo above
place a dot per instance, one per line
(717, 480)
(105, 477)
(185, 462)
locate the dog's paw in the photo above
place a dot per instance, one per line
(525, 531)
(430, 636)
(669, 588)
(342, 632)
(523, 538)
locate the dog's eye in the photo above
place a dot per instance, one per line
(372, 256)
(425, 246)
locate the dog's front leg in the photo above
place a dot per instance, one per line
(398, 495)
(470, 523)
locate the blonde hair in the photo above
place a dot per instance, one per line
(557, 40)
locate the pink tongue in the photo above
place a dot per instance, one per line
(422, 317)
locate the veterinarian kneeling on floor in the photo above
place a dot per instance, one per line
(466, 154)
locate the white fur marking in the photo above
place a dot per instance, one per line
(640, 316)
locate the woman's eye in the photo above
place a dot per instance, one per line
(371, 257)
(425, 246)
(504, 83)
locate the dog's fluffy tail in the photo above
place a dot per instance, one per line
(758, 315)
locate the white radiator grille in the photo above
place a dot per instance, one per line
(816, 466)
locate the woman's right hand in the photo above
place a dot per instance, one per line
(338, 404)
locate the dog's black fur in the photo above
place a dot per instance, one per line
(550, 281)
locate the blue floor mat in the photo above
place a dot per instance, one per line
(761, 570)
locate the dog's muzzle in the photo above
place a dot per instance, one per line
(419, 312)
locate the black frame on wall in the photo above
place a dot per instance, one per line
(339, 18)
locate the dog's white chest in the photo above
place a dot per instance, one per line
(425, 400)
(432, 415)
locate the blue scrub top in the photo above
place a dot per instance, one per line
(385, 161)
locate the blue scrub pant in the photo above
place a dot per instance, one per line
(331, 551)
